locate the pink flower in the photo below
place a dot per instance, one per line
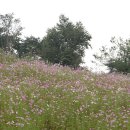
(24, 98)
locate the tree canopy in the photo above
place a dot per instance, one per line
(30, 46)
(65, 43)
(117, 57)
(10, 30)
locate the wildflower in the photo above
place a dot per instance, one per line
(24, 98)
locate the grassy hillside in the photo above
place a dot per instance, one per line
(36, 96)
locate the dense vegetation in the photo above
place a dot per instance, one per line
(37, 96)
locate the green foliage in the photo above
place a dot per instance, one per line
(10, 30)
(37, 96)
(28, 47)
(65, 43)
(117, 57)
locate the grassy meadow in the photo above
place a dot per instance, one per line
(37, 96)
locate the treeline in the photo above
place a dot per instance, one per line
(64, 44)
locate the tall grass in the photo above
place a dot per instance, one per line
(36, 96)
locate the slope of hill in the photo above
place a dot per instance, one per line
(36, 96)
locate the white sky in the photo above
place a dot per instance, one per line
(101, 18)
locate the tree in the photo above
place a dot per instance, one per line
(10, 30)
(65, 43)
(117, 57)
(30, 46)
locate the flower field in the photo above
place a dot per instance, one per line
(36, 96)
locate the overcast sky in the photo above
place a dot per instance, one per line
(101, 18)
